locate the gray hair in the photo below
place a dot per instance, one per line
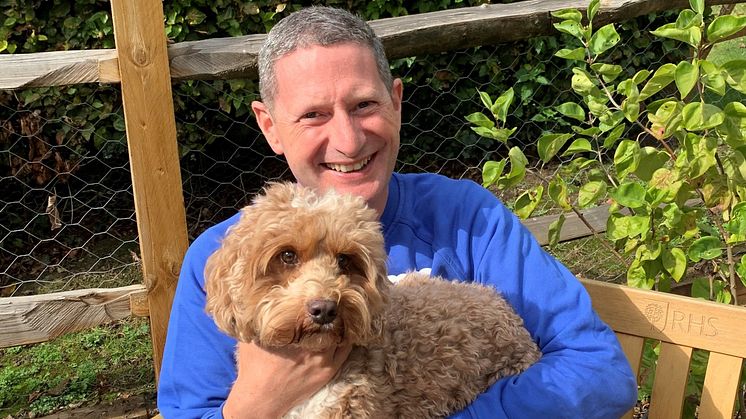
(322, 26)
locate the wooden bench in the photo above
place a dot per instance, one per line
(681, 324)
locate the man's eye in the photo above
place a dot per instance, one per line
(289, 257)
(310, 115)
(363, 105)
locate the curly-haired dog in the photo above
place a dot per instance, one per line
(309, 270)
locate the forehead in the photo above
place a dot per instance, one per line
(318, 68)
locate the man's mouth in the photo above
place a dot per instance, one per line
(346, 168)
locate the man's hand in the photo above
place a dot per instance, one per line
(273, 380)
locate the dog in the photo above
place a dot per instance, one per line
(300, 268)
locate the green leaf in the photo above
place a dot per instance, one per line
(674, 262)
(701, 288)
(736, 74)
(518, 162)
(570, 27)
(706, 248)
(626, 158)
(630, 194)
(721, 292)
(662, 77)
(691, 35)
(665, 117)
(568, 14)
(588, 132)
(609, 72)
(629, 89)
(577, 54)
(499, 134)
(500, 107)
(609, 121)
(613, 136)
(697, 5)
(572, 110)
(481, 120)
(698, 116)
(591, 192)
(555, 230)
(651, 159)
(581, 81)
(622, 227)
(486, 99)
(667, 181)
(736, 226)
(640, 76)
(686, 76)
(492, 171)
(725, 26)
(631, 109)
(549, 144)
(580, 145)
(699, 156)
(638, 278)
(3, 45)
(604, 39)
(715, 83)
(593, 9)
(526, 203)
(558, 193)
(735, 110)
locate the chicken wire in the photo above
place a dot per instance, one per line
(66, 199)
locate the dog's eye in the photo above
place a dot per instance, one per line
(343, 261)
(288, 257)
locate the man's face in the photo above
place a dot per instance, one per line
(335, 121)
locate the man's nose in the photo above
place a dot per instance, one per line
(346, 135)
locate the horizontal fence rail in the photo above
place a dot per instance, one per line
(404, 36)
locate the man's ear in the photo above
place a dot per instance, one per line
(267, 125)
(397, 93)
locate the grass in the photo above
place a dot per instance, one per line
(101, 364)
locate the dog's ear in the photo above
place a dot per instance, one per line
(230, 276)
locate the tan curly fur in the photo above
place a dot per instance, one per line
(425, 347)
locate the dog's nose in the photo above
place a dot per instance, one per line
(322, 311)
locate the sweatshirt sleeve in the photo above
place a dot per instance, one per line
(583, 372)
(198, 360)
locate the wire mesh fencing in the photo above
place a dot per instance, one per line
(66, 195)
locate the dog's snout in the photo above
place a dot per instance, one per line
(322, 311)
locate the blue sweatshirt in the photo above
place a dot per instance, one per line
(462, 232)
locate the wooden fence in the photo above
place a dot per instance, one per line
(145, 66)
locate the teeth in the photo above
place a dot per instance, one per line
(344, 168)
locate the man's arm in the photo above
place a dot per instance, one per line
(198, 366)
(583, 372)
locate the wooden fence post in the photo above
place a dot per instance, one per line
(153, 152)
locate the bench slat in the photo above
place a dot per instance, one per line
(667, 398)
(670, 318)
(721, 384)
(632, 347)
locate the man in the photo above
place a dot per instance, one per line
(331, 107)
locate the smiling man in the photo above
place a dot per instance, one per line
(331, 107)
(339, 131)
